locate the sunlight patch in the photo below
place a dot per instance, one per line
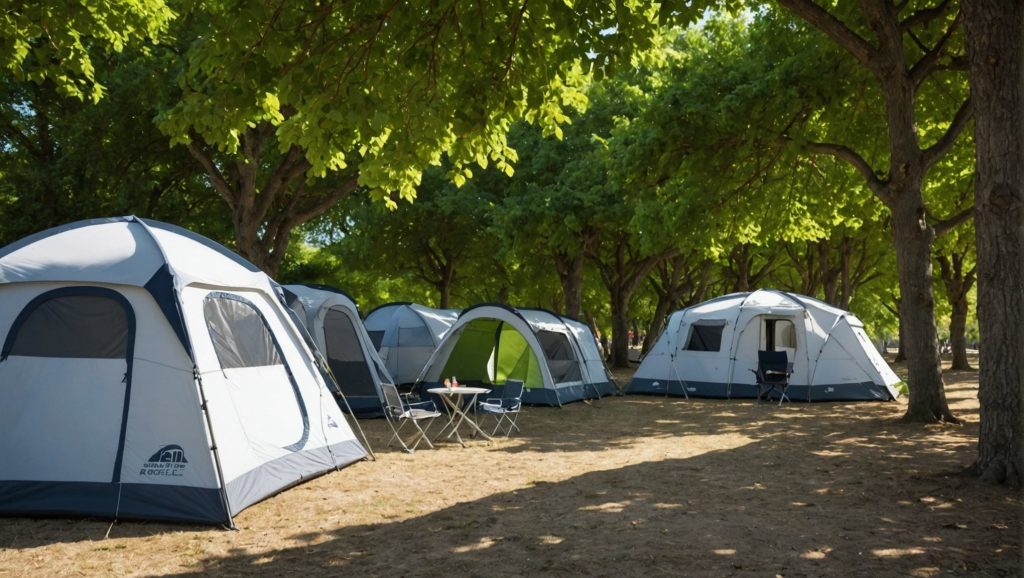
(608, 507)
(725, 551)
(551, 540)
(662, 506)
(817, 553)
(483, 544)
(897, 552)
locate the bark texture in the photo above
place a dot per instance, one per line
(995, 39)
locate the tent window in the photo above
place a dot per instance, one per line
(345, 354)
(560, 357)
(376, 337)
(72, 326)
(240, 336)
(705, 337)
(413, 336)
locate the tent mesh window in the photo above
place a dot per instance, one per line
(561, 359)
(415, 336)
(239, 334)
(345, 354)
(705, 337)
(74, 326)
(376, 337)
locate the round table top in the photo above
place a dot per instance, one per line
(461, 390)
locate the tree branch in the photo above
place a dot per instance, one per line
(220, 184)
(946, 225)
(849, 155)
(926, 65)
(924, 16)
(932, 154)
(834, 28)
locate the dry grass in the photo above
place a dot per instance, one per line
(621, 486)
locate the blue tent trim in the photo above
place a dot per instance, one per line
(865, 391)
(101, 500)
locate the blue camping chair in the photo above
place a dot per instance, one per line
(772, 374)
(505, 410)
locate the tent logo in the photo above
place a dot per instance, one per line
(331, 422)
(167, 461)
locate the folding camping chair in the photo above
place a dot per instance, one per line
(772, 374)
(506, 408)
(401, 413)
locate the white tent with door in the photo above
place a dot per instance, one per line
(556, 358)
(405, 335)
(332, 318)
(147, 372)
(710, 350)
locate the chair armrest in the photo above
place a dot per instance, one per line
(422, 405)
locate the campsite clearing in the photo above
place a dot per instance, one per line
(620, 486)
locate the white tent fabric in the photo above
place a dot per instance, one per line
(332, 318)
(709, 350)
(406, 334)
(568, 363)
(147, 372)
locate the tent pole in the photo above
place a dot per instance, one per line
(213, 447)
(339, 393)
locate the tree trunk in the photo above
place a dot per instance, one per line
(620, 329)
(570, 274)
(913, 240)
(657, 323)
(958, 284)
(996, 55)
(958, 335)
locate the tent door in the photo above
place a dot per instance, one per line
(66, 366)
(779, 335)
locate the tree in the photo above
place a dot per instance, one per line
(54, 40)
(64, 159)
(680, 280)
(996, 57)
(290, 107)
(431, 241)
(903, 47)
(958, 275)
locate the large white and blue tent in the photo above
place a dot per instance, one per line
(332, 318)
(710, 350)
(147, 372)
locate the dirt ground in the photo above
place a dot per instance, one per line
(633, 485)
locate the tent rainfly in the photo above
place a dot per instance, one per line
(332, 318)
(556, 358)
(709, 350)
(147, 372)
(405, 335)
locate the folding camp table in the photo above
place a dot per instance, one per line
(458, 412)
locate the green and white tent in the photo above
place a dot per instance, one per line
(556, 358)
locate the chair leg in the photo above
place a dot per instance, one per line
(783, 397)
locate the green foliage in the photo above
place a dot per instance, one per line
(65, 160)
(53, 40)
(390, 89)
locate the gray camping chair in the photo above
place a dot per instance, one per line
(772, 374)
(505, 410)
(400, 413)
